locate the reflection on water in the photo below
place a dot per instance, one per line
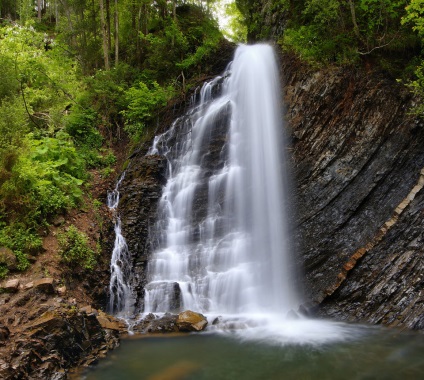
(374, 354)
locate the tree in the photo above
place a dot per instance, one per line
(105, 35)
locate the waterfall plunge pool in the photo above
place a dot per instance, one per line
(366, 353)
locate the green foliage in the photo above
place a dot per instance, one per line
(311, 47)
(45, 179)
(415, 16)
(236, 28)
(3, 271)
(75, 250)
(333, 31)
(21, 241)
(143, 100)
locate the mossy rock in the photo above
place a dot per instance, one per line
(8, 259)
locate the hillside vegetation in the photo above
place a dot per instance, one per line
(78, 77)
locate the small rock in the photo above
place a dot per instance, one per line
(45, 285)
(8, 258)
(11, 286)
(61, 290)
(217, 320)
(190, 321)
(29, 285)
(4, 299)
(58, 220)
(72, 301)
(89, 310)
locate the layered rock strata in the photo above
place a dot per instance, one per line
(358, 157)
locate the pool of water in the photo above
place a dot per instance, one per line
(369, 353)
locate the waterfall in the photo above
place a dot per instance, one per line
(222, 242)
(120, 300)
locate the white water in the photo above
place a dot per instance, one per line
(239, 264)
(120, 300)
(234, 261)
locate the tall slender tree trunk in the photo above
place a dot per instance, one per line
(353, 15)
(116, 34)
(104, 35)
(109, 38)
(39, 7)
(174, 16)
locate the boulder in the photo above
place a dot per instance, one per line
(109, 322)
(45, 285)
(153, 325)
(8, 258)
(190, 321)
(11, 286)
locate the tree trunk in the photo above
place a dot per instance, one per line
(353, 14)
(104, 35)
(116, 34)
(109, 38)
(39, 9)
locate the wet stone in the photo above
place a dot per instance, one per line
(191, 321)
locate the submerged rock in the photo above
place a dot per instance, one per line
(190, 321)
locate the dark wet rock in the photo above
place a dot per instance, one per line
(157, 325)
(217, 321)
(357, 155)
(190, 321)
(8, 258)
(141, 191)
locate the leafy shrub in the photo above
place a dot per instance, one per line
(80, 124)
(75, 250)
(143, 100)
(44, 179)
(21, 240)
(308, 44)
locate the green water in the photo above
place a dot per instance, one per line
(371, 354)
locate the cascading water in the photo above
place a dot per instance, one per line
(120, 301)
(231, 259)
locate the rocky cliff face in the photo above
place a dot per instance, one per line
(358, 156)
